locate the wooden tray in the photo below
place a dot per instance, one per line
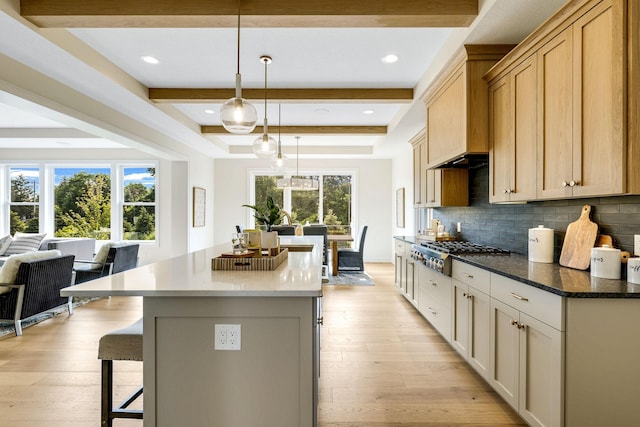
(243, 263)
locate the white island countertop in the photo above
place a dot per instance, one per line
(190, 275)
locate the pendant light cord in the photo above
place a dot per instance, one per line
(238, 68)
(297, 155)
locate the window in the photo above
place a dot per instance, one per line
(139, 204)
(24, 210)
(82, 202)
(106, 201)
(330, 205)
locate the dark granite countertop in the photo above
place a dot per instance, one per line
(553, 277)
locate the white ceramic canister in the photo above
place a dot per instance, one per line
(633, 270)
(541, 244)
(605, 262)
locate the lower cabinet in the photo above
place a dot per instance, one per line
(400, 259)
(471, 324)
(410, 280)
(526, 353)
(434, 299)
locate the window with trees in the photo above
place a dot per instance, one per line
(330, 205)
(24, 205)
(115, 202)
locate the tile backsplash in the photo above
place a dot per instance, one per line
(507, 225)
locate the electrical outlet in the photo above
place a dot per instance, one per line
(636, 244)
(227, 337)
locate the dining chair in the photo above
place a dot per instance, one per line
(352, 259)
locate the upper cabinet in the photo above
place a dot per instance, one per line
(512, 135)
(559, 103)
(439, 187)
(456, 105)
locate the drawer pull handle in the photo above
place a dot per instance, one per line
(470, 276)
(514, 322)
(521, 298)
(433, 283)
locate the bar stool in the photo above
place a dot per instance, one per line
(121, 344)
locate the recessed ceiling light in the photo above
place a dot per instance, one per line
(210, 111)
(150, 59)
(368, 112)
(389, 59)
(322, 110)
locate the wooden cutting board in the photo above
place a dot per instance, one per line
(578, 241)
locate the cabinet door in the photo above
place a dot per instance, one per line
(460, 317)
(479, 332)
(418, 188)
(446, 120)
(505, 346)
(598, 151)
(432, 184)
(555, 117)
(501, 158)
(522, 179)
(541, 373)
(399, 269)
(410, 279)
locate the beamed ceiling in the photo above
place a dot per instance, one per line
(327, 77)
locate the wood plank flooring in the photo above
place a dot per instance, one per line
(382, 365)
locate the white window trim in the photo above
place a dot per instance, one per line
(251, 190)
(46, 208)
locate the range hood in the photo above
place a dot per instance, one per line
(466, 161)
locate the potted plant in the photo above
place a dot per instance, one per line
(268, 215)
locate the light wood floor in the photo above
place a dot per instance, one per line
(382, 365)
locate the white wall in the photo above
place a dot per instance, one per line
(402, 177)
(372, 195)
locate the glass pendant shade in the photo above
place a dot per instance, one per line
(238, 115)
(264, 147)
(278, 162)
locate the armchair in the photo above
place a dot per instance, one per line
(36, 287)
(352, 259)
(111, 258)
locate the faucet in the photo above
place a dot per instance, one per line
(289, 220)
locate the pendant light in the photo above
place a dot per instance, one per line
(237, 114)
(265, 146)
(297, 182)
(278, 162)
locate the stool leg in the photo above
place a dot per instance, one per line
(107, 396)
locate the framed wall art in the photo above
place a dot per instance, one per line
(199, 205)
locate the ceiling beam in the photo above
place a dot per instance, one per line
(255, 13)
(348, 95)
(308, 130)
(315, 150)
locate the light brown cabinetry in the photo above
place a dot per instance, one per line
(581, 108)
(419, 144)
(512, 135)
(456, 105)
(436, 187)
(577, 64)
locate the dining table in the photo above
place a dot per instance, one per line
(333, 240)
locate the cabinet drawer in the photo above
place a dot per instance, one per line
(438, 287)
(543, 305)
(400, 247)
(473, 276)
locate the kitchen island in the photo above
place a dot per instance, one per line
(190, 377)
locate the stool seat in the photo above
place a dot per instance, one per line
(121, 344)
